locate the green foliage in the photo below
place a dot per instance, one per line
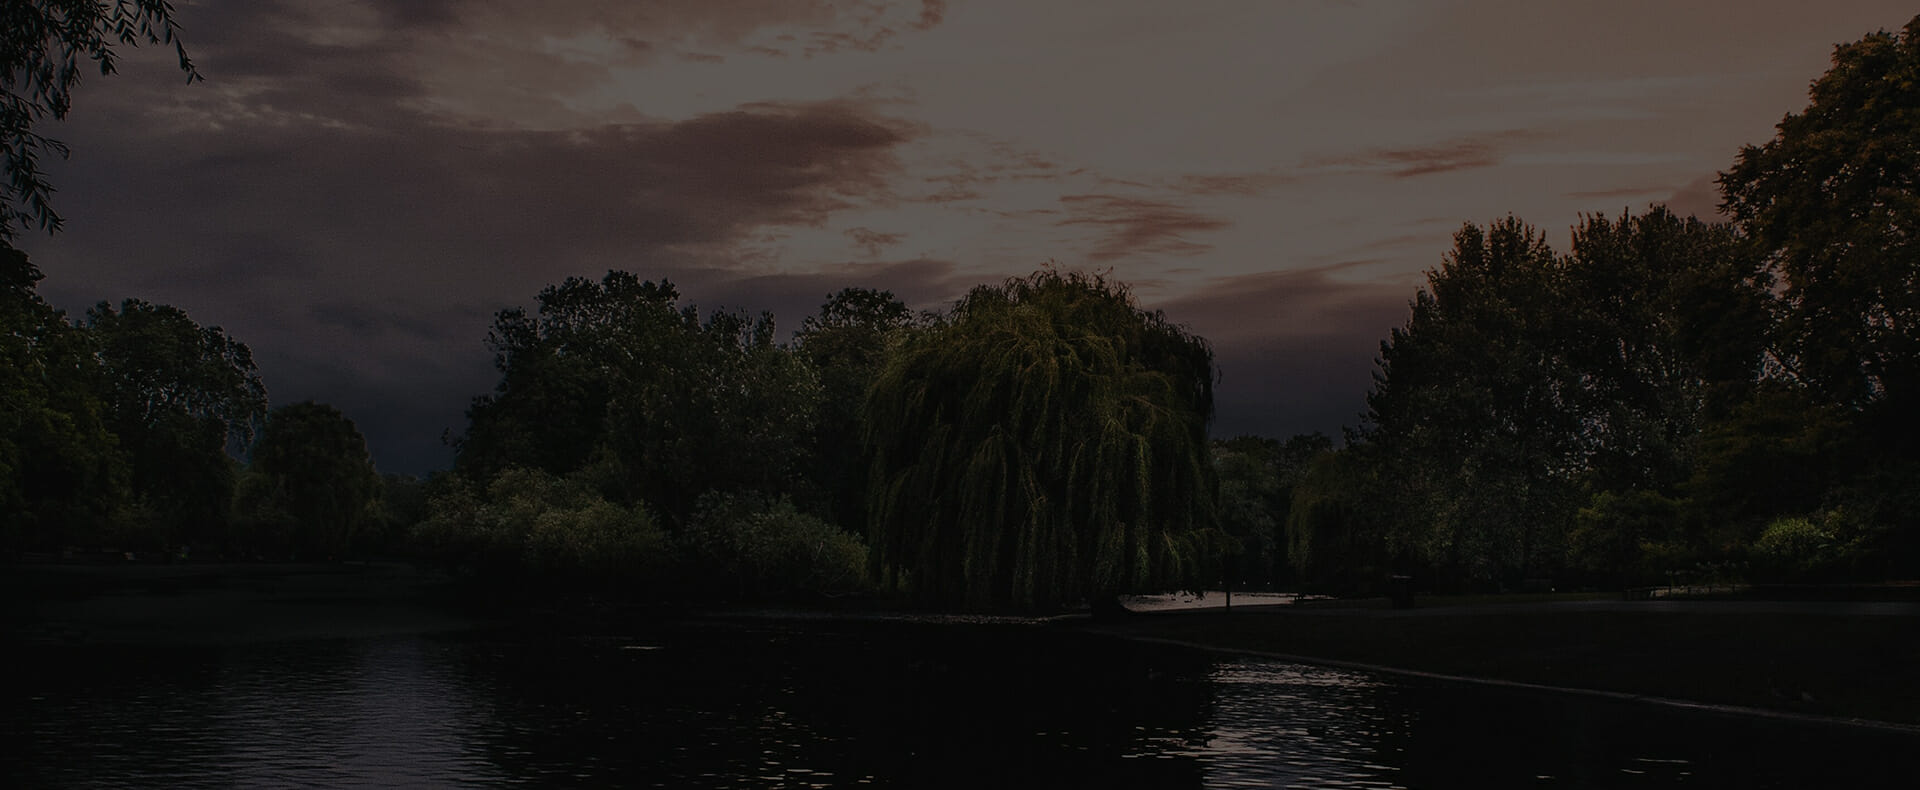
(179, 396)
(1795, 549)
(1526, 383)
(750, 547)
(399, 503)
(61, 476)
(1343, 532)
(1834, 200)
(1470, 406)
(312, 476)
(1043, 443)
(1668, 324)
(1777, 453)
(42, 44)
(529, 526)
(1626, 537)
(1258, 477)
(615, 374)
(846, 343)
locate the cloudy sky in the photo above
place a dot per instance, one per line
(359, 184)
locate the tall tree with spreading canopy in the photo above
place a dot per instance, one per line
(43, 44)
(1471, 402)
(1669, 321)
(1834, 200)
(1045, 442)
(180, 398)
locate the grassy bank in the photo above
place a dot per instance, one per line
(1849, 661)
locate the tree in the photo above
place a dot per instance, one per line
(312, 472)
(1668, 324)
(179, 397)
(42, 44)
(557, 371)
(614, 374)
(846, 343)
(1471, 406)
(1258, 477)
(1346, 524)
(1834, 201)
(1043, 443)
(61, 474)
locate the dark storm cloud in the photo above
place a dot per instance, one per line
(1138, 226)
(1295, 349)
(1467, 153)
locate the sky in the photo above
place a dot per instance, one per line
(359, 185)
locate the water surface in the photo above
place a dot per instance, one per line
(826, 704)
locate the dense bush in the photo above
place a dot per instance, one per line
(751, 547)
(1795, 549)
(1626, 537)
(526, 525)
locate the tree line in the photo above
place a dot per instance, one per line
(1733, 399)
(1668, 394)
(122, 430)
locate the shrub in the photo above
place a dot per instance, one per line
(529, 525)
(752, 547)
(1795, 549)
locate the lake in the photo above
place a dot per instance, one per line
(839, 703)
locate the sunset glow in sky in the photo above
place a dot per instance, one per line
(359, 184)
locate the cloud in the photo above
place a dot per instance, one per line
(932, 13)
(1231, 184)
(873, 241)
(1465, 153)
(1138, 226)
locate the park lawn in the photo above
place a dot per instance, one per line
(1845, 665)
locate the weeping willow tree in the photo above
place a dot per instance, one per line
(1044, 443)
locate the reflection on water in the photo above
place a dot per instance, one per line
(831, 705)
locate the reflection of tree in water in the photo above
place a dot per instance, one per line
(900, 704)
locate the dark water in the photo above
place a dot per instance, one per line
(830, 705)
